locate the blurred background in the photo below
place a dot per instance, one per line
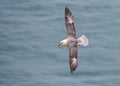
(30, 31)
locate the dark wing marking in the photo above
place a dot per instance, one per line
(73, 52)
(69, 23)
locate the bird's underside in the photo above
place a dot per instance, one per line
(72, 41)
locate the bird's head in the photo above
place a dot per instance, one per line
(63, 43)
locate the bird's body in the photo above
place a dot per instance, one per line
(72, 41)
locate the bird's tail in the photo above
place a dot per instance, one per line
(83, 40)
(73, 64)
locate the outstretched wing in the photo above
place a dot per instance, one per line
(73, 52)
(69, 23)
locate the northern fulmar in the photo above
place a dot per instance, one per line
(72, 41)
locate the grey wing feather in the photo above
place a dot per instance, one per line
(69, 23)
(73, 60)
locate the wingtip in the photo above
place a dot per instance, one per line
(66, 8)
(68, 15)
(73, 64)
(71, 72)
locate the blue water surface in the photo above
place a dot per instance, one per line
(30, 31)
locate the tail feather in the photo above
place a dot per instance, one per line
(83, 40)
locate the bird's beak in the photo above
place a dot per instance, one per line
(59, 44)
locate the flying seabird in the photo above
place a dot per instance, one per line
(72, 41)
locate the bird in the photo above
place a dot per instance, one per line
(72, 41)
